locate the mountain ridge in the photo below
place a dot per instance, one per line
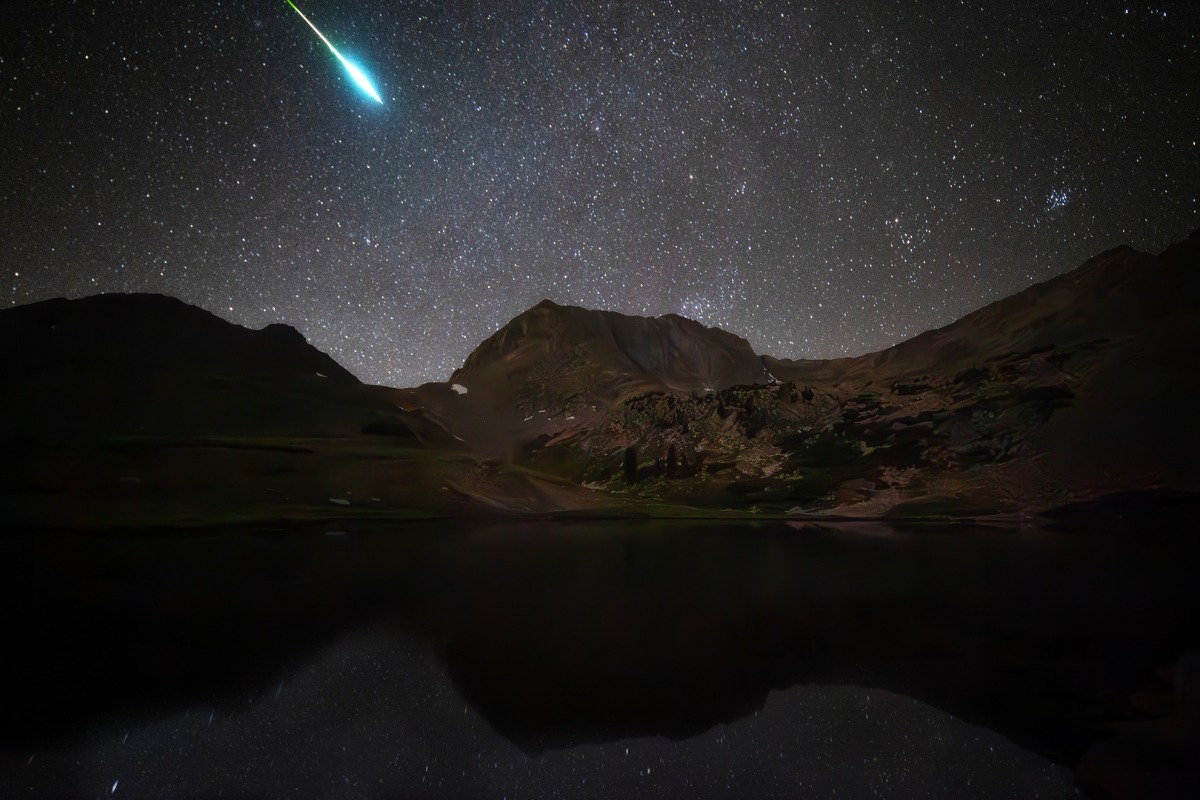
(190, 331)
(1070, 390)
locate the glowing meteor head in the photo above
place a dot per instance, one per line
(361, 79)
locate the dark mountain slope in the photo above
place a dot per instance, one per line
(153, 364)
(153, 332)
(1074, 389)
(1119, 293)
(141, 409)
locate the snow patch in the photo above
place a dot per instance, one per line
(458, 387)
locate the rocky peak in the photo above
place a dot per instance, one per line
(679, 353)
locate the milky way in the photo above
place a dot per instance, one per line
(825, 179)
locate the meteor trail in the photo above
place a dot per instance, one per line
(357, 74)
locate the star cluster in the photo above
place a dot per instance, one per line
(825, 179)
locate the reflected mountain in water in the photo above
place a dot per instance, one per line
(375, 717)
(559, 637)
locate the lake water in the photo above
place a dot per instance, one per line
(578, 660)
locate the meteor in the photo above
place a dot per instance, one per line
(357, 74)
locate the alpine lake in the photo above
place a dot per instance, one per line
(593, 659)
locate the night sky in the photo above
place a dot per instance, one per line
(825, 179)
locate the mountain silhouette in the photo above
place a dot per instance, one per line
(1070, 392)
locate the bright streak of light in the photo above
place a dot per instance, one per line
(356, 74)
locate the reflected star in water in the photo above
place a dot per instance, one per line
(376, 717)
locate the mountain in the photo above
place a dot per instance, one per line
(1119, 293)
(610, 353)
(555, 368)
(1072, 390)
(149, 364)
(140, 409)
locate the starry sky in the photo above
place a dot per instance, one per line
(824, 179)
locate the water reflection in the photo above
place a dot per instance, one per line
(375, 717)
(564, 638)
